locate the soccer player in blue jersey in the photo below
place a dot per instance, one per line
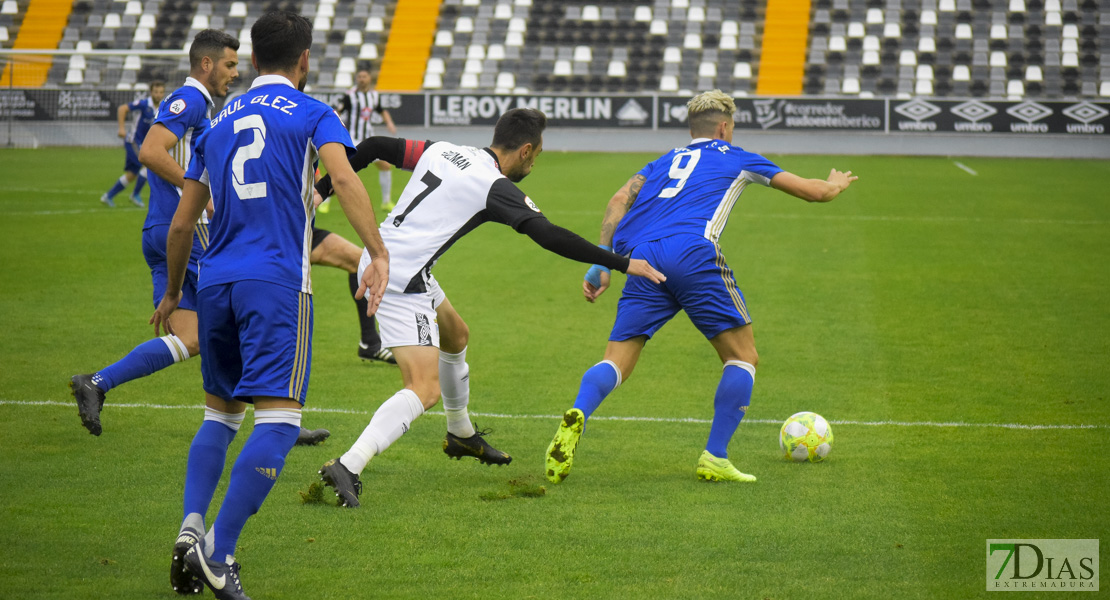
(672, 213)
(143, 111)
(257, 160)
(166, 151)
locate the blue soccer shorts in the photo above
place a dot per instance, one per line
(699, 281)
(255, 340)
(131, 163)
(154, 251)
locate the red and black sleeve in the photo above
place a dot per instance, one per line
(395, 151)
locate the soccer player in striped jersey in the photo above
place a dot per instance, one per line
(143, 112)
(166, 151)
(453, 189)
(363, 106)
(257, 160)
(672, 213)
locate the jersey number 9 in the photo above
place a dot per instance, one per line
(681, 172)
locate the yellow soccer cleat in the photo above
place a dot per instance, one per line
(560, 454)
(711, 468)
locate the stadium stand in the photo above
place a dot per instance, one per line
(1047, 49)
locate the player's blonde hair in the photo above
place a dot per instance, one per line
(705, 110)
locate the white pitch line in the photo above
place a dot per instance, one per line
(342, 411)
(892, 218)
(965, 168)
(75, 211)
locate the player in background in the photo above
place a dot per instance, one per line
(453, 189)
(144, 111)
(672, 213)
(362, 104)
(254, 296)
(166, 151)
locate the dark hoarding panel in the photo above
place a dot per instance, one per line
(991, 117)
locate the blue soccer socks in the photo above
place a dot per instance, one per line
(140, 182)
(117, 188)
(734, 394)
(253, 476)
(597, 383)
(146, 358)
(207, 455)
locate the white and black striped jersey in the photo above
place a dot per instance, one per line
(361, 109)
(454, 189)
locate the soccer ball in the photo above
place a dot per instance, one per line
(806, 436)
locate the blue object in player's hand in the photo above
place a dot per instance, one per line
(593, 276)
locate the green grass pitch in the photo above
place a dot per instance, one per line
(923, 295)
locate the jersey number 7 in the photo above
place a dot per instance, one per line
(429, 180)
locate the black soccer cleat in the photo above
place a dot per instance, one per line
(311, 437)
(90, 399)
(220, 577)
(475, 446)
(181, 579)
(347, 485)
(365, 352)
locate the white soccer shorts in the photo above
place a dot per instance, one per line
(408, 319)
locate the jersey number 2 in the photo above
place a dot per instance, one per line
(244, 190)
(429, 180)
(681, 172)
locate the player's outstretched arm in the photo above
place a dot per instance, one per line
(395, 151)
(570, 245)
(155, 155)
(360, 212)
(179, 244)
(813, 190)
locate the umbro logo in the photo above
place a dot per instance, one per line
(268, 472)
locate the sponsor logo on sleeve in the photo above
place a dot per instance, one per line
(177, 107)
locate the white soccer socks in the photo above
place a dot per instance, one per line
(392, 419)
(454, 386)
(385, 179)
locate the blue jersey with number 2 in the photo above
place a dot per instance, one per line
(690, 190)
(259, 157)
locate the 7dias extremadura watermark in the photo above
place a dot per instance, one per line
(1042, 565)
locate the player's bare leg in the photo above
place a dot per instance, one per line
(736, 348)
(597, 383)
(336, 251)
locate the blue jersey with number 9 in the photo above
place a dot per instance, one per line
(690, 190)
(259, 159)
